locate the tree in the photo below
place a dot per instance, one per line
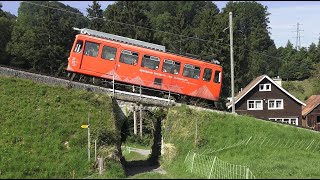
(95, 13)
(251, 42)
(42, 37)
(123, 17)
(6, 26)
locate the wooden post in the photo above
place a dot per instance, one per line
(140, 120)
(95, 150)
(134, 120)
(100, 165)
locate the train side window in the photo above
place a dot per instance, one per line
(207, 73)
(191, 71)
(217, 77)
(91, 49)
(150, 62)
(171, 66)
(129, 57)
(78, 47)
(108, 53)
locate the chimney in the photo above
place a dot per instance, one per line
(278, 80)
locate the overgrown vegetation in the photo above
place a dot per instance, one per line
(215, 131)
(41, 134)
(303, 89)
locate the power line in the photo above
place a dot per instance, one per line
(151, 29)
(298, 41)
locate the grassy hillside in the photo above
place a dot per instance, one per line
(41, 135)
(273, 159)
(303, 89)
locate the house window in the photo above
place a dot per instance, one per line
(150, 62)
(108, 53)
(275, 104)
(170, 66)
(129, 57)
(91, 49)
(191, 71)
(318, 119)
(293, 121)
(254, 105)
(265, 87)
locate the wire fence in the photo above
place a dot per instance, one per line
(211, 167)
(311, 145)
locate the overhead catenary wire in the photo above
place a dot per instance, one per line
(151, 29)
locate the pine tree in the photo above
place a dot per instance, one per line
(95, 14)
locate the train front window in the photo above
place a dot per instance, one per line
(91, 49)
(108, 53)
(171, 66)
(207, 74)
(191, 71)
(78, 47)
(129, 57)
(150, 62)
(217, 77)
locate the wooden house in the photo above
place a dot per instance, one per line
(311, 113)
(264, 98)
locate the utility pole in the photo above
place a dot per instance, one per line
(231, 63)
(298, 41)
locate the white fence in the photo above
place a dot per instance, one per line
(311, 145)
(212, 167)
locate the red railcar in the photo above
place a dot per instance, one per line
(140, 63)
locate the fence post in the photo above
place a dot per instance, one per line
(247, 173)
(193, 162)
(100, 164)
(212, 166)
(95, 150)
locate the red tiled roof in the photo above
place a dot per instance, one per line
(311, 103)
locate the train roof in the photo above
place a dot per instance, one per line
(135, 42)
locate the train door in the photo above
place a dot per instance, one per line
(90, 57)
(127, 66)
(172, 69)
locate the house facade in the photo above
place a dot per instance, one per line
(311, 113)
(264, 98)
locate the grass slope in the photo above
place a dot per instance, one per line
(219, 130)
(41, 135)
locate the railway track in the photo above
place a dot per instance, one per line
(63, 81)
(117, 94)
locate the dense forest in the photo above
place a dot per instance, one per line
(40, 38)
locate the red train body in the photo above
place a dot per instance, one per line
(100, 57)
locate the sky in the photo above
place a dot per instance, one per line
(283, 19)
